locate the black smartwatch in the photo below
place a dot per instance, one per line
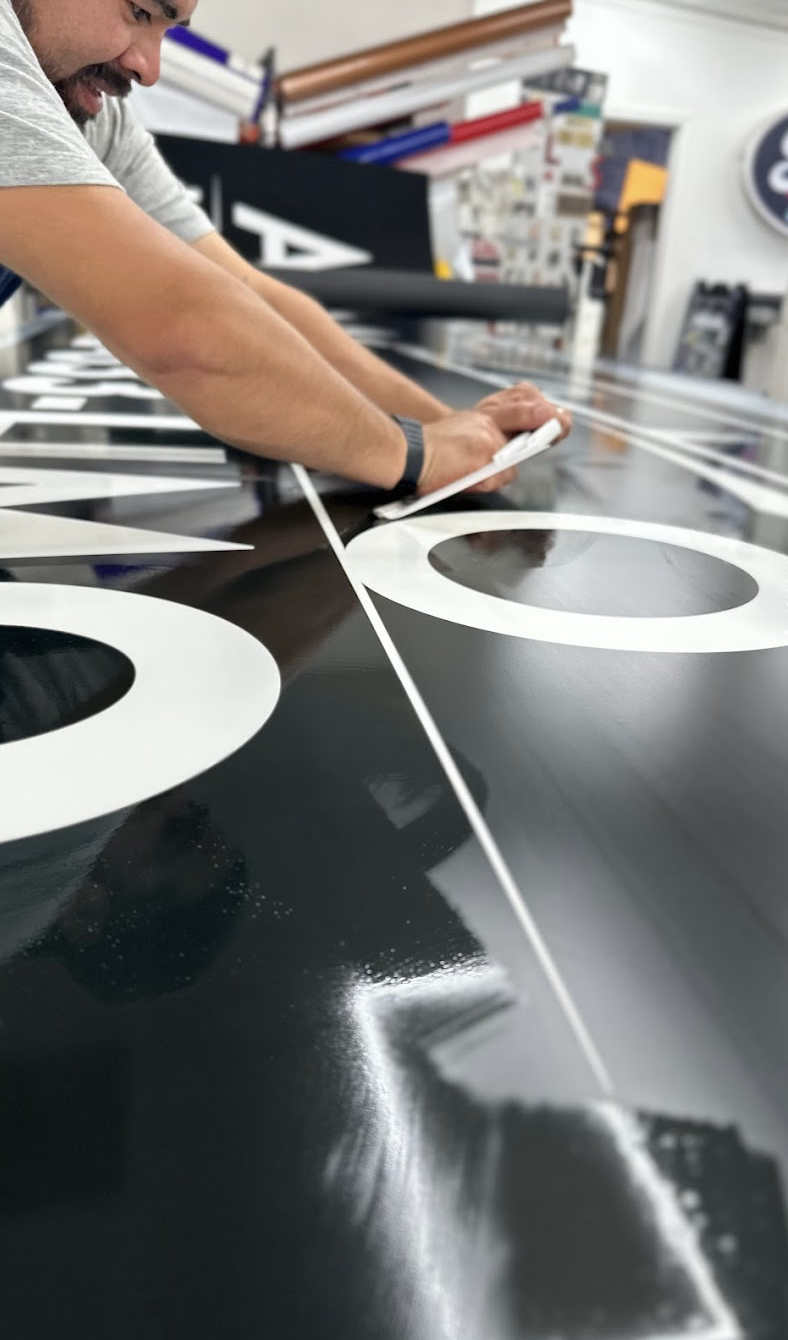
(414, 461)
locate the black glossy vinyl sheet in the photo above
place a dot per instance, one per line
(393, 931)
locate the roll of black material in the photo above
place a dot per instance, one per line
(413, 294)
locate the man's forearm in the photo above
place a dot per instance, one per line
(385, 387)
(257, 382)
(197, 333)
(390, 390)
(207, 340)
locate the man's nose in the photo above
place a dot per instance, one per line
(142, 61)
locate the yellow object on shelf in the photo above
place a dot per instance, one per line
(644, 184)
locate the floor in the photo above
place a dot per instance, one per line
(393, 917)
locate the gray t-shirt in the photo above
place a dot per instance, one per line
(40, 145)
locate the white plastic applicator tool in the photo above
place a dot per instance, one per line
(519, 449)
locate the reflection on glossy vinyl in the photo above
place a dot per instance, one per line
(559, 1219)
(49, 680)
(577, 571)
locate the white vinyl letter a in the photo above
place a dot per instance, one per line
(289, 246)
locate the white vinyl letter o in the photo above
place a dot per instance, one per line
(202, 688)
(393, 559)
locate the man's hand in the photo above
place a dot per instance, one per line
(468, 441)
(521, 409)
(455, 446)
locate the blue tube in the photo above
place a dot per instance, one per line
(200, 45)
(400, 146)
(568, 105)
(266, 93)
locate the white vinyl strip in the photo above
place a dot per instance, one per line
(759, 497)
(473, 814)
(77, 451)
(682, 400)
(86, 419)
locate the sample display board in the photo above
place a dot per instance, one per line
(712, 337)
(526, 212)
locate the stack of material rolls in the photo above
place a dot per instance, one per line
(386, 85)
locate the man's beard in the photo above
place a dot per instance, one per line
(24, 12)
(108, 80)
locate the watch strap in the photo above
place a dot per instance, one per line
(413, 432)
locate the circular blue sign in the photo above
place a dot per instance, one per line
(766, 173)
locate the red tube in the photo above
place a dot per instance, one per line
(489, 125)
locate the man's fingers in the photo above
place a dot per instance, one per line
(525, 390)
(522, 408)
(565, 419)
(461, 444)
(516, 415)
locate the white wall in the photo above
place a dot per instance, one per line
(11, 316)
(719, 80)
(305, 31)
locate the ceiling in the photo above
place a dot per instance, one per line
(772, 13)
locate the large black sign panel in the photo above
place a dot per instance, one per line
(308, 209)
(389, 948)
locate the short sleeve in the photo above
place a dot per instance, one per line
(40, 145)
(129, 151)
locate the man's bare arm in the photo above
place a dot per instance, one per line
(390, 390)
(209, 343)
(194, 331)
